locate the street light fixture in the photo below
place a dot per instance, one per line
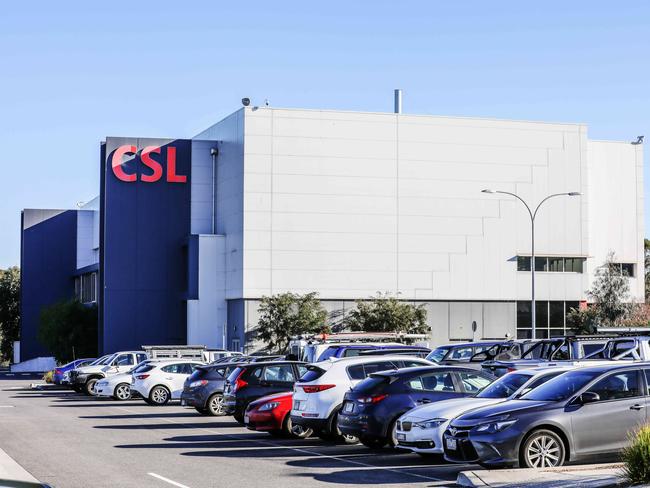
(533, 214)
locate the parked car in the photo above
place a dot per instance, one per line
(420, 430)
(586, 412)
(120, 362)
(96, 365)
(371, 409)
(563, 351)
(59, 371)
(472, 354)
(272, 414)
(118, 386)
(161, 381)
(203, 389)
(318, 395)
(357, 348)
(251, 381)
(414, 351)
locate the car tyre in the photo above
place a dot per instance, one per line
(373, 442)
(159, 395)
(291, 430)
(239, 417)
(542, 449)
(391, 438)
(122, 392)
(335, 432)
(89, 388)
(214, 405)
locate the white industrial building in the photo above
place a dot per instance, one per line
(349, 204)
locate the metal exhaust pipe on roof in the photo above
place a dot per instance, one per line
(398, 101)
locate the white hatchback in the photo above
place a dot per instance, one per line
(160, 382)
(118, 386)
(420, 429)
(318, 394)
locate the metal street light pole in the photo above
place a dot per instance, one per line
(533, 214)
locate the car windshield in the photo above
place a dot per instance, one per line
(108, 359)
(561, 387)
(505, 386)
(438, 354)
(328, 353)
(139, 367)
(98, 361)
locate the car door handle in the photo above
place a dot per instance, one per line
(636, 406)
(424, 400)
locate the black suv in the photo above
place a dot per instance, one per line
(203, 389)
(251, 381)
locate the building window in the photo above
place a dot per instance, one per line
(85, 287)
(550, 318)
(541, 264)
(626, 269)
(236, 345)
(523, 263)
(559, 264)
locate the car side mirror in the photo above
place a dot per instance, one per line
(588, 397)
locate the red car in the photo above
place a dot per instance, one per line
(272, 414)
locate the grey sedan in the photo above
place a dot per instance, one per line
(584, 413)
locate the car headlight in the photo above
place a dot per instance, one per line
(496, 425)
(268, 406)
(430, 424)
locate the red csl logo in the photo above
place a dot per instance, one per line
(155, 167)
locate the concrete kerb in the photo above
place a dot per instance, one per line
(592, 475)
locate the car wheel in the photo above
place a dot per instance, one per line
(215, 405)
(373, 442)
(159, 395)
(391, 438)
(291, 430)
(90, 387)
(542, 449)
(238, 417)
(336, 434)
(122, 392)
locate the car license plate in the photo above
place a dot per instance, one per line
(246, 419)
(299, 405)
(401, 437)
(451, 443)
(348, 407)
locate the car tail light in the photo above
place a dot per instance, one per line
(239, 383)
(142, 376)
(315, 388)
(372, 398)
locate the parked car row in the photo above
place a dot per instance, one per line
(458, 402)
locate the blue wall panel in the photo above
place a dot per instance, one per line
(48, 262)
(143, 261)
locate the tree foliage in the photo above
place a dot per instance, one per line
(9, 311)
(289, 314)
(69, 330)
(385, 313)
(610, 292)
(583, 321)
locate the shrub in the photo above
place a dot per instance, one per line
(637, 458)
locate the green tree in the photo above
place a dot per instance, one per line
(289, 314)
(9, 311)
(583, 321)
(385, 313)
(609, 292)
(69, 329)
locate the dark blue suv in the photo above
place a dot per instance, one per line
(203, 389)
(371, 409)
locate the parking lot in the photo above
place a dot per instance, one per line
(69, 440)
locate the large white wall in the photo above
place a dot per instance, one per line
(616, 207)
(348, 204)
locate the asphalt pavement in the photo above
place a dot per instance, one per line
(68, 440)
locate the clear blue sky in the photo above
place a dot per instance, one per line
(73, 73)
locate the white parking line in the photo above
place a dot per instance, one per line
(167, 480)
(7, 406)
(303, 451)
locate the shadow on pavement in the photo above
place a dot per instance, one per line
(159, 414)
